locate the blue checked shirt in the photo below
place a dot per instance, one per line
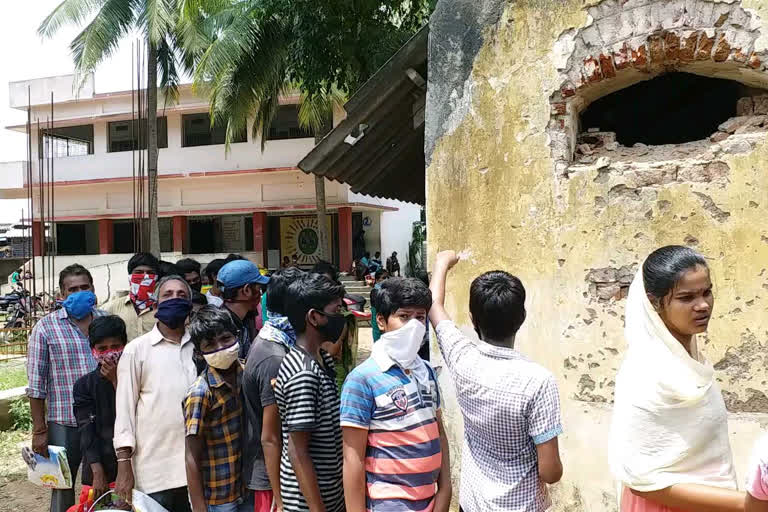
(58, 355)
(510, 404)
(213, 410)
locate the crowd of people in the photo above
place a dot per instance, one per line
(228, 399)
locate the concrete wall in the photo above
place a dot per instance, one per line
(507, 81)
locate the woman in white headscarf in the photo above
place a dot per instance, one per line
(669, 446)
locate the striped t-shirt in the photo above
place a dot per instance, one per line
(308, 401)
(403, 456)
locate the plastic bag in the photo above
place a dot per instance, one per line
(53, 472)
(143, 503)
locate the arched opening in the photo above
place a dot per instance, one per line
(673, 108)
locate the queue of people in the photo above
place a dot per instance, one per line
(219, 406)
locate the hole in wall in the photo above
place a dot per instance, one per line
(673, 108)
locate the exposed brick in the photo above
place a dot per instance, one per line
(688, 44)
(656, 46)
(738, 56)
(621, 57)
(704, 50)
(606, 66)
(592, 71)
(722, 49)
(559, 108)
(672, 46)
(640, 58)
(567, 90)
(754, 61)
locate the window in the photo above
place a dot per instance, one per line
(67, 141)
(285, 125)
(124, 137)
(197, 131)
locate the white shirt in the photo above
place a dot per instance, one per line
(154, 374)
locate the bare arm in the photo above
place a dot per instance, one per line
(550, 466)
(444, 486)
(39, 426)
(355, 443)
(272, 445)
(298, 451)
(37, 389)
(701, 498)
(443, 263)
(752, 504)
(193, 454)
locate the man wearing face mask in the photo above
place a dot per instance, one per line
(154, 372)
(241, 286)
(137, 306)
(395, 449)
(308, 399)
(59, 353)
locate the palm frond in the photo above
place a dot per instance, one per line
(169, 74)
(157, 18)
(316, 109)
(68, 12)
(101, 37)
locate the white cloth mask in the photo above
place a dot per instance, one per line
(214, 300)
(402, 346)
(222, 359)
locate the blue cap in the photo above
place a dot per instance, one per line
(238, 273)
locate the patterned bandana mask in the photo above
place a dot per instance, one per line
(107, 355)
(142, 292)
(277, 328)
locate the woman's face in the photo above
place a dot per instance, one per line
(687, 308)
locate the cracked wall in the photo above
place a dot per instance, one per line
(574, 226)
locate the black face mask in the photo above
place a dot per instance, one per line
(333, 328)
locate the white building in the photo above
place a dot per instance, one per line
(210, 202)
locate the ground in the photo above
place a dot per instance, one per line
(18, 495)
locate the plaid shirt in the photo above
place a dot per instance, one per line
(58, 355)
(214, 410)
(509, 407)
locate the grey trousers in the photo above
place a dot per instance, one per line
(69, 438)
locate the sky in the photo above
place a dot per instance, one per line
(27, 56)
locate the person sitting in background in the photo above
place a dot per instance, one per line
(213, 295)
(213, 412)
(189, 269)
(263, 435)
(376, 262)
(241, 285)
(286, 262)
(308, 399)
(295, 260)
(137, 307)
(393, 266)
(94, 403)
(155, 373)
(395, 449)
(365, 261)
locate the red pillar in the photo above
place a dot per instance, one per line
(106, 236)
(260, 235)
(179, 233)
(37, 238)
(345, 239)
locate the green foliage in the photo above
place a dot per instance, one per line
(14, 377)
(21, 415)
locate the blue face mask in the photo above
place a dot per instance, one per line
(80, 304)
(173, 312)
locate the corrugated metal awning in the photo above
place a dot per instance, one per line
(379, 148)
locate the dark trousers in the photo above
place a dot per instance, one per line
(173, 500)
(69, 438)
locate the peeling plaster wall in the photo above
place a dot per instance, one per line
(576, 233)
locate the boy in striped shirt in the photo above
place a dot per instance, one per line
(395, 449)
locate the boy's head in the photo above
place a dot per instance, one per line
(327, 269)
(381, 275)
(212, 329)
(399, 300)
(314, 306)
(497, 306)
(277, 289)
(106, 335)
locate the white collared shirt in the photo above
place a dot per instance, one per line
(154, 375)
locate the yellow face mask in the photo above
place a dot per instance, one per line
(205, 289)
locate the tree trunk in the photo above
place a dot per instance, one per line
(154, 226)
(322, 226)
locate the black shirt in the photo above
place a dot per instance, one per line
(94, 407)
(246, 332)
(261, 369)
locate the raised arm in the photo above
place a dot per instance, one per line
(443, 263)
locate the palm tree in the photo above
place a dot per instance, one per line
(111, 21)
(244, 72)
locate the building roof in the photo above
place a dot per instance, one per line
(379, 148)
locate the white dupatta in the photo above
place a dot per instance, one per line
(669, 420)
